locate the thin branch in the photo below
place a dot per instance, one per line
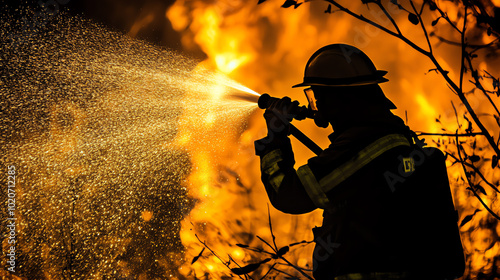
(423, 26)
(422, 8)
(477, 172)
(271, 229)
(467, 105)
(281, 257)
(458, 44)
(484, 204)
(462, 161)
(445, 16)
(215, 254)
(443, 72)
(364, 19)
(270, 269)
(389, 17)
(456, 114)
(470, 183)
(232, 260)
(262, 239)
(464, 54)
(297, 268)
(480, 86)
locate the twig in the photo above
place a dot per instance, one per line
(423, 26)
(275, 249)
(456, 114)
(297, 268)
(267, 243)
(484, 204)
(470, 183)
(422, 8)
(270, 269)
(464, 54)
(477, 172)
(480, 87)
(232, 260)
(362, 18)
(271, 228)
(443, 72)
(379, 3)
(215, 254)
(458, 44)
(445, 16)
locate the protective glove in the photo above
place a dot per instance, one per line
(278, 116)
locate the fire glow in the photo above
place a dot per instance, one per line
(267, 47)
(122, 145)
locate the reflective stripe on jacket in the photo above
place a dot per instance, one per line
(317, 189)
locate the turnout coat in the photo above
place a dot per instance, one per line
(374, 184)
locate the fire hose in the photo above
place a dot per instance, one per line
(299, 113)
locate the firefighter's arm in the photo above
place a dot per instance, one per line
(280, 179)
(282, 184)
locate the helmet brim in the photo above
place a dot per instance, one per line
(376, 78)
(333, 84)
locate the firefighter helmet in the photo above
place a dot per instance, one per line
(341, 65)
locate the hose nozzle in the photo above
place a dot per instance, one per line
(299, 112)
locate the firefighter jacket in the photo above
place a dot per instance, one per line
(364, 226)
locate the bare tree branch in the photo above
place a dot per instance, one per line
(423, 26)
(477, 171)
(389, 17)
(464, 53)
(459, 44)
(484, 204)
(439, 68)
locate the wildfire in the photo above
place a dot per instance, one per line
(266, 48)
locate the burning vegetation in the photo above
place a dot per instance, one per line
(138, 162)
(443, 66)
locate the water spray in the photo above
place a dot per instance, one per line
(300, 113)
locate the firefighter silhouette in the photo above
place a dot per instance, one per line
(388, 211)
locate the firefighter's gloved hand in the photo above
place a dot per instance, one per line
(279, 115)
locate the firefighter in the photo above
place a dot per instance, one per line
(364, 181)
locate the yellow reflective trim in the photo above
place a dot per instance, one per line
(312, 187)
(269, 165)
(364, 157)
(276, 179)
(269, 162)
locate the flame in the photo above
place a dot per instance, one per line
(266, 48)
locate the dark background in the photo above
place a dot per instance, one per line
(117, 15)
